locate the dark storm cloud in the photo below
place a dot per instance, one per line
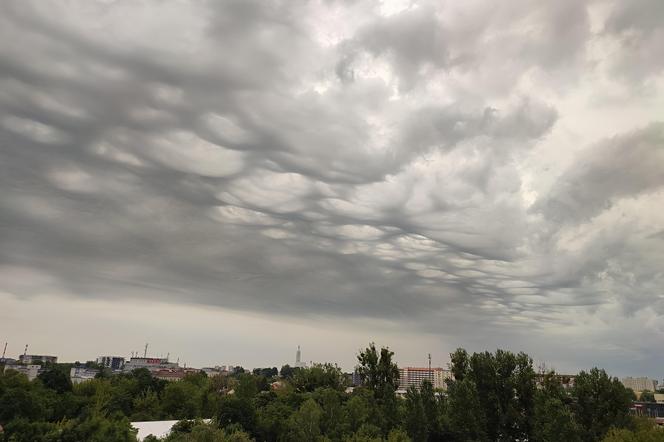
(251, 155)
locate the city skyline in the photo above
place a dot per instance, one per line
(237, 178)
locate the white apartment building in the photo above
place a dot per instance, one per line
(414, 376)
(31, 371)
(640, 384)
(81, 374)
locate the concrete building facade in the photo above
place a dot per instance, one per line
(31, 371)
(640, 384)
(112, 362)
(414, 376)
(149, 363)
(31, 359)
(81, 374)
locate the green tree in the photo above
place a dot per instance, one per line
(96, 429)
(377, 370)
(459, 363)
(366, 433)
(286, 371)
(553, 420)
(305, 422)
(398, 435)
(434, 410)
(235, 410)
(647, 396)
(465, 414)
(272, 422)
(55, 379)
(645, 431)
(416, 417)
(181, 400)
(21, 401)
(601, 402)
(147, 407)
(505, 385)
(381, 376)
(333, 424)
(318, 376)
(247, 387)
(632, 395)
(357, 410)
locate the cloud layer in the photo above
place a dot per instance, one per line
(490, 174)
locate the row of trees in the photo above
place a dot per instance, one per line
(493, 397)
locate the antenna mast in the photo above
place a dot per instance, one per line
(145, 352)
(4, 351)
(430, 373)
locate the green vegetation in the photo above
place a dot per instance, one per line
(647, 396)
(493, 397)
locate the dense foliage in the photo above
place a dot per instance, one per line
(493, 397)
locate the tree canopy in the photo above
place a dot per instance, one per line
(492, 397)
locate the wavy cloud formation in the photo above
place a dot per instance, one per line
(491, 174)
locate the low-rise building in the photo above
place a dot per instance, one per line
(112, 362)
(82, 374)
(166, 374)
(31, 371)
(214, 371)
(31, 359)
(173, 374)
(149, 363)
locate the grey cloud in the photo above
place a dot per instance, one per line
(620, 167)
(638, 30)
(430, 37)
(242, 163)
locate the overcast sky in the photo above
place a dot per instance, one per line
(227, 180)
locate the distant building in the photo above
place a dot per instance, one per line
(167, 374)
(659, 398)
(414, 376)
(112, 362)
(31, 359)
(648, 409)
(215, 371)
(82, 374)
(31, 371)
(566, 380)
(640, 384)
(8, 361)
(173, 374)
(356, 379)
(298, 359)
(149, 363)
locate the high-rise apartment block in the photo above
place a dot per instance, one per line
(414, 376)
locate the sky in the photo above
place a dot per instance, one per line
(228, 180)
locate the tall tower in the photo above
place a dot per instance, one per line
(298, 354)
(430, 372)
